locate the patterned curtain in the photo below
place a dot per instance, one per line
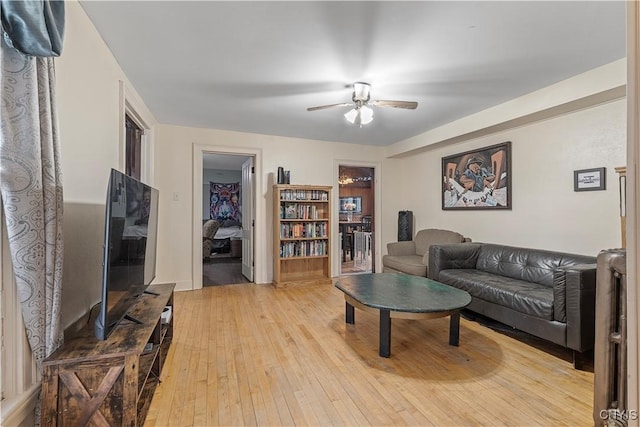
(31, 189)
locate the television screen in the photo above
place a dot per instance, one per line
(351, 204)
(129, 259)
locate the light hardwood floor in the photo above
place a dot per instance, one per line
(255, 355)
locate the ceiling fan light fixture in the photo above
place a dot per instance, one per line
(366, 115)
(361, 116)
(351, 115)
(361, 91)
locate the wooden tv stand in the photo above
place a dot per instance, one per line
(110, 382)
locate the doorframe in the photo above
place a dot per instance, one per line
(633, 208)
(258, 211)
(377, 211)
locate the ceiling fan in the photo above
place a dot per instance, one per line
(361, 114)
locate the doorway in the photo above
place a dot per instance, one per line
(356, 215)
(226, 213)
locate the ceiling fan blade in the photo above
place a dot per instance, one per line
(409, 105)
(322, 107)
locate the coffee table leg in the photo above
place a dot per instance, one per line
(385, 333)
(454, 328)
(349, 316)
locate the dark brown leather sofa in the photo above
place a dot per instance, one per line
(547, 294)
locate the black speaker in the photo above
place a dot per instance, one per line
(405, 226)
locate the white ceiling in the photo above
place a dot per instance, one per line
(256, 66)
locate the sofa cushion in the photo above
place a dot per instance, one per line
(519, 295)
(410, 264)
(401, 248)
(530, 265)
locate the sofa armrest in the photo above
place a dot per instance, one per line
(401, 248)
(452, 256)
(574, 294)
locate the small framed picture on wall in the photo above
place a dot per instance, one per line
(589, 179)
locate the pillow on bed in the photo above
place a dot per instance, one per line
(231, 223)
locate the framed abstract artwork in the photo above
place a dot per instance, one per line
(478, 179)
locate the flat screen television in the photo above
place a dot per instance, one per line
(351, 204)
(129, 256)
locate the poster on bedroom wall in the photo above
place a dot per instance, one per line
(225, 201)
(478, 179)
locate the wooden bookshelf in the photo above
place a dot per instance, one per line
(92, 382)
(302, 235)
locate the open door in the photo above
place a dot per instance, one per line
(356, 213)
(247, 218)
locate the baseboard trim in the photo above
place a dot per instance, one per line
(19, 410)
(184, 286)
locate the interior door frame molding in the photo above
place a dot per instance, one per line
(633, 206)
(259, 243)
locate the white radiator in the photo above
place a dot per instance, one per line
(610, 348)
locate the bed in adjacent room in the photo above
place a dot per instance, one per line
(229, 231)
(233, 231)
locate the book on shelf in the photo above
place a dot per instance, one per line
(302, 195)
(290, 211)
(303, 249)
(298, 211)
(303, 230)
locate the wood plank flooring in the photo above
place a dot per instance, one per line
(259, 356)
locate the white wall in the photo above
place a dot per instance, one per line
(310, 162)
(577, 123)
(546, 212)
(90, 105)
